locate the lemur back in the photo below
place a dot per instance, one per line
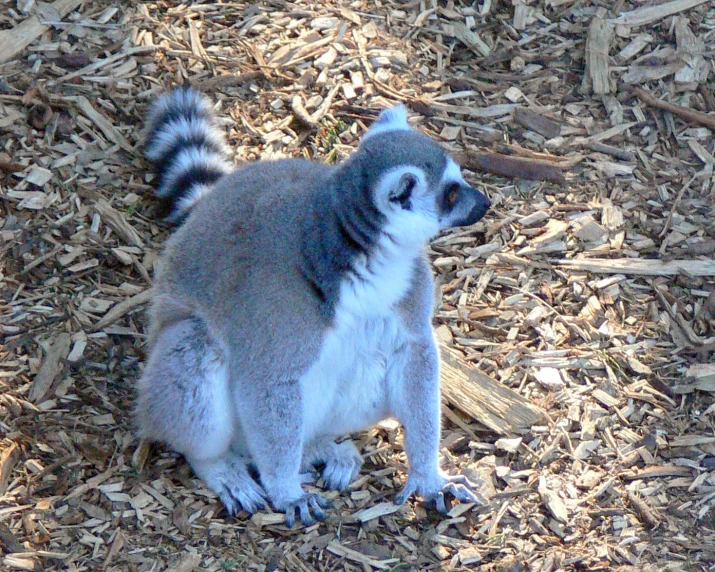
(294, 305)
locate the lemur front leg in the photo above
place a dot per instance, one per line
(272, 416)
(415, 401)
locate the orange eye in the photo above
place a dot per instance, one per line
(452, 195)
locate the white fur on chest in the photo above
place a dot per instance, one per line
(347, 388)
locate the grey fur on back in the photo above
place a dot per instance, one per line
(309, 219)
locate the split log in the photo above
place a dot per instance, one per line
(499, 408)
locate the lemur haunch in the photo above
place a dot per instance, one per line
(294, 306)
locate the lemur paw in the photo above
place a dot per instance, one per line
(342, 466)
(459, 486)
(245, 495)
(304, 505)
(228, 476)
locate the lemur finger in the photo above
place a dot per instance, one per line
(462, 480)
(290, 515)
(315, 503)
(403, 495)
(305, 517)
(439, 503)
(304, 505)
(339, 476)
(462, 493)
(231, 505)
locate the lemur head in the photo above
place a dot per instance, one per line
(416, 185)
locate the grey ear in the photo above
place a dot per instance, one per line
(392, 119)
(401, 193)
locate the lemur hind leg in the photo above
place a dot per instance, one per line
(184, 401)
(342, 461)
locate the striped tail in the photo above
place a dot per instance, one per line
(187, 150)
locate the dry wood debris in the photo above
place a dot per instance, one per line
(588, 290)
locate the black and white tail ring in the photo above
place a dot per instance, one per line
(187, 150)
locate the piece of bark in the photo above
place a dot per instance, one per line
(335, 547)
(679, 110)
(494, 405)
(123, 308)
(621, 154)
(117, 222)
(598, 44)
(187, 563)
(655, 472)
(518, 167)
(228, 80)
(7, 167)
(104, 125)
(644, 512)
(649, 14)
(642, 267)
(16, 39)
(51, 367)
(538, 123)
(470, 38)
(94, 66)
(8, 539)
(552, 502)
(301, 113)
(8, 460)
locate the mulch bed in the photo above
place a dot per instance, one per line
(589, 289)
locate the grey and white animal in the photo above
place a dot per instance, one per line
(294, 306)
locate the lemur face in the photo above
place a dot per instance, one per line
(418, 187)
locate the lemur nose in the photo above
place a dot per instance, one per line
(480, 208)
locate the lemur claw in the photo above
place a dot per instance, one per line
(305, 504)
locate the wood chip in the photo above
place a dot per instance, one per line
(50, 368)
(598, 44)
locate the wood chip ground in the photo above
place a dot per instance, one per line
(588, 289)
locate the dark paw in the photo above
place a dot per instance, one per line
(305, 505)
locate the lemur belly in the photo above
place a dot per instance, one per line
(347, 388)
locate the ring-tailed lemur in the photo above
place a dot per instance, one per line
(294, 306)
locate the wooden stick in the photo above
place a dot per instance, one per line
(621, 154)
(642, 267)
(13, 41)
(499, 408)
(684, 112)
(519, 167)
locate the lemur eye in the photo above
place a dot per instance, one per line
(451, 194)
